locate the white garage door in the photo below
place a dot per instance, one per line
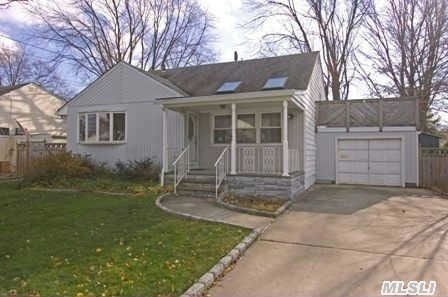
(369, 162)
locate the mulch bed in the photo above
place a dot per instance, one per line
(262, 204)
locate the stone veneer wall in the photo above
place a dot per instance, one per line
(283, 187)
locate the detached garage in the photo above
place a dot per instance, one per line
(368, 142)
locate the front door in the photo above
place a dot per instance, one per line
(192, 137)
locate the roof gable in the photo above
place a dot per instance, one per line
(123, 83)
(204, 80)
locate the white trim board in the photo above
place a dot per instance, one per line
(325, 129)
(218, 99)
(399, 129)
(364, 129)
(331, 129)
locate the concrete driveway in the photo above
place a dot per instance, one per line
(344, 241)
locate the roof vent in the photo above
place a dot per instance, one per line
(228, 87)
(235, 56)
(275, 83)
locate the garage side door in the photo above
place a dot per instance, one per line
(369, 162)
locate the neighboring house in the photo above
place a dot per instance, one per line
(29, 108)
(444, 139)
(27, 112)
(251, 123)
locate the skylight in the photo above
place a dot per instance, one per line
(228, 87)
(275, 83)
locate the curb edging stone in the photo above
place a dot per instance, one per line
(211, 276)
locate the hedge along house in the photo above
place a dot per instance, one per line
(244, 127)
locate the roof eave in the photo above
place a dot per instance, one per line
(217, 99)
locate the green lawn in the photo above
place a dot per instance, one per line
(81, 244)
(101, 184)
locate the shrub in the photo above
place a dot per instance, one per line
(58, 166)
(143, 169)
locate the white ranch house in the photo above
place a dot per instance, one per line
(256, 127)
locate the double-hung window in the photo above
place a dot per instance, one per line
(102, 127)
(222, 132)
(246, 130)
(271, 128)
(91, 127)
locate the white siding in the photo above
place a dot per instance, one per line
(122, 84)
(124, 88)
(315, 92)
(326, 145)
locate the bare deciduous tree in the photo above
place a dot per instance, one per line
(408, 52)
(333, 23)
(18, 66)
(96, 34)
(7, 3)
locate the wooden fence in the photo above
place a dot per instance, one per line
(29, 150)
(434, 168)
(369, 113)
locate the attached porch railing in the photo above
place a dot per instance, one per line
(181, 167)
(221, 168)
(266, 159)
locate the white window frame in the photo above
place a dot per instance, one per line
(213, 128)
(270, 127)
(255, 127)
(258, 127)
(78, 129)
(97, 140)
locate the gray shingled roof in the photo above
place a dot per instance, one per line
(204, 80)
(4, 90)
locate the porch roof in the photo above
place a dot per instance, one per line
(218, 99)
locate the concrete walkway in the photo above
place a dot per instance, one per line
(345, 241)
(208, 210)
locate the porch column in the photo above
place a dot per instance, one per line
(233, 143)
(285, 138)
(164, 145)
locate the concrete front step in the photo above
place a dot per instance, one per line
(197, 194)
(193, 179)
(204, 187)
(198, 183)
